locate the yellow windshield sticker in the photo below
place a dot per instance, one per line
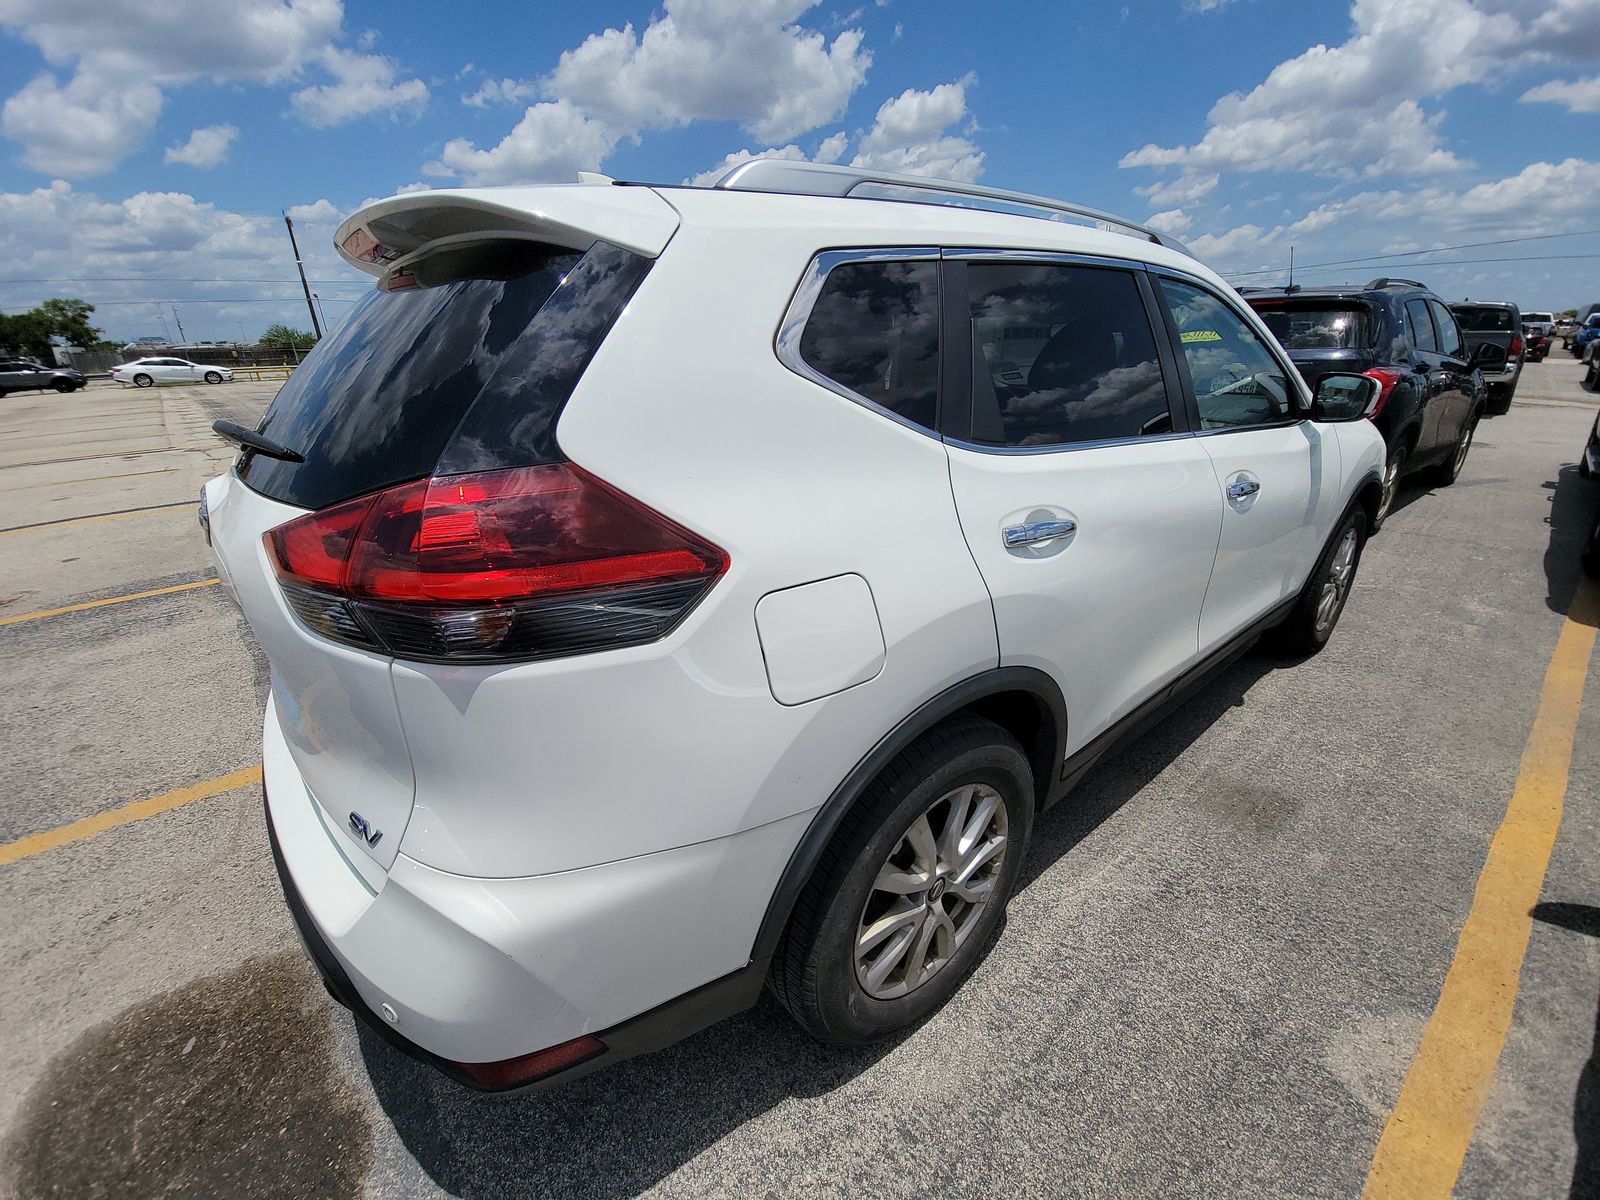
(1200, 335)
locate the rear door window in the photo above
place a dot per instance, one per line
(874, 330)
(1420, 326)
(1061, 355)
(468, 375)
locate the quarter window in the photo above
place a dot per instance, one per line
(1449, 335)
(1421, 325)
(1061, 354)
(1237, 380)
(875, 330)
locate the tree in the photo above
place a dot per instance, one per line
(1567, 312)
(283, 337)
(69, 320)
(26, 335)
(30, 333)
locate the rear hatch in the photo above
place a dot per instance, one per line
(1322, 334)
(487, 309)
(1492, 324)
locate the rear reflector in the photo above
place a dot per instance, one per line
(510, 1072)
(502, 565)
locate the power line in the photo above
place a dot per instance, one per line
(1370, 258)
(1443, 262)
(161, 279)
(236, 300)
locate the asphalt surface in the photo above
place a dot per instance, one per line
(1211, 983)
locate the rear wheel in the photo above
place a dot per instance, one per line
(911, 888)
(1449, 470)
(213, 377)
(142, 380)
(1393, 469)
(1311, 622)
(1591, 548)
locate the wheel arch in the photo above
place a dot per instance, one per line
(1022, 700)
(1369, 494)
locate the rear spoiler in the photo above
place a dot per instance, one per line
(387, 237)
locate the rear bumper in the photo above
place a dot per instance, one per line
(464, 972)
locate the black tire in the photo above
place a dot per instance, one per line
(142, 380)
(1591, 375)
(1395, 463)
(1303, 631)
(1449, 470)
(1591, 548)
(814, 972)
(1499, 402)
(64, 386)
(213, 376)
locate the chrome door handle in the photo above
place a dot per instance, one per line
(1036, 532)
(1240, 488)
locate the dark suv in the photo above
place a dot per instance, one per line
(1503, 323)
(1398, 332)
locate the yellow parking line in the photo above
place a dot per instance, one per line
(1427, 1135)
(119, 515)
(138, 810)
(88, 604)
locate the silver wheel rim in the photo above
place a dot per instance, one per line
(931, 891)
(1391, 484)
(1461, 450)
(1337, 585)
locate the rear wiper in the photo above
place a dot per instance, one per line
(251, 440)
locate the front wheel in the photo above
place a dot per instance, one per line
(1311, 622)
(910, 890)
(213, 377)
(64, 386)
(143, 381)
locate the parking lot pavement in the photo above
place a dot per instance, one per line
(1214, 980)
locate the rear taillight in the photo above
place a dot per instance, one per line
(503, 565)
(1516, 345)
(1387, 377)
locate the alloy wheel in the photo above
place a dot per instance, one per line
(1462, 448)
(931, 891)
(1337, 584)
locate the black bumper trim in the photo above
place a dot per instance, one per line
(653, 1030)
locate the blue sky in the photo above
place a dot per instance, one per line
(143, 146)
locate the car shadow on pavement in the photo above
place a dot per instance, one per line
(1585, 919)
(617, 1132)
(1572, 507)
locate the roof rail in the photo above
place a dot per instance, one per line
(801, 178)
(1383, 281)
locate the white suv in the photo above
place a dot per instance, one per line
(671, 590)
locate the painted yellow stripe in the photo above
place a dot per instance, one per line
(138, 810)
(1426, 1138)
(124, 515)
(88, 604)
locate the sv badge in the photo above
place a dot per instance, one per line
(364, 831)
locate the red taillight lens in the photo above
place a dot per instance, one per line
(1516, 345)
(1387, 377)
(524, 563)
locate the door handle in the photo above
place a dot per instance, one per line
(1241, 488)
(1035, 532)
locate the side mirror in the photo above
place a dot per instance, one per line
(1343, 396)
(1487, 354)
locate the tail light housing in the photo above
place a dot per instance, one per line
(1387, 378)
(1516, 345)
(528, 563)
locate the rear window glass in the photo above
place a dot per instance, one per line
(875, 329)
(1486, 319)
(1320, 327)
(380, 398)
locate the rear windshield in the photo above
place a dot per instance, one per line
(1318, 326)
(1486, 319)
(1543, 318)
(381, 398)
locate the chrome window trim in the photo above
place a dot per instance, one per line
(787, 342)
(1142, 439)
(1048, 257)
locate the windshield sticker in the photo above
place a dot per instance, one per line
(1199, 335)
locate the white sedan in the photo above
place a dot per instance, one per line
(147, 372)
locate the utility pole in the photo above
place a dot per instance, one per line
(179, 321)
(306, 287)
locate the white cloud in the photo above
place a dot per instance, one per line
(1188, 188)
(553, 140)
(729, 60)
(205, 148)
(364, 85)
(729, 161)
(833, 147)
(911, 134)
(1173, 221)
(319, 212)
(501, 91)
(1579, 95)
(105, 88)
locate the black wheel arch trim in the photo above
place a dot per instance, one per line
(1045, 756)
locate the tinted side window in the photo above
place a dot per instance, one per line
(1420, 326)
(875, 329)
(1237, 380)
(1061, 354)
(1449, 335)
